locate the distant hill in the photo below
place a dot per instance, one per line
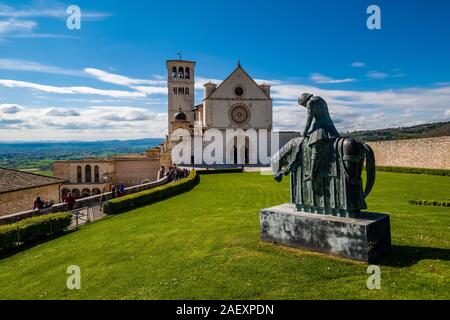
(39, 156)
(428, 130)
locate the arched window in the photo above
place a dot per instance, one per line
(64, 193)
(174, 72)
(79, 175)
(180, 73)
(96, 174)
(87, 174)
(76, 193)
(187, 73)
(85, 193)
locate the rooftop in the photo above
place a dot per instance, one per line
(14, 180)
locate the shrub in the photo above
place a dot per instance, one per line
(28, 230)
(146, 197)
(434, 172)
(433, 203)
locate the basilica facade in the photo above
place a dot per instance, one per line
(237, 103)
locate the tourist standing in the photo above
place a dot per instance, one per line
(113, 191)
(70, 200)
(161, 173)
(38, 204)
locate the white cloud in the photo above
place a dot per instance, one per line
(146, 86)
(16, 26)
(71, 90)
(49, 9)
(120, 80)
(92, 123)
(62, 112)
(320, 78)
(150, 89)
(23, 65)
(19, 21)
(200, 81)
(358, 110)
(377, 75)
(358, 64)
(7, 108)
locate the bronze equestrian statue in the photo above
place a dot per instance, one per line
(325, 167)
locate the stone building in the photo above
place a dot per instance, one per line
(236, 103)
(19, 190)
(93, 176)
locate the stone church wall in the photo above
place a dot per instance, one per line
(432, 153)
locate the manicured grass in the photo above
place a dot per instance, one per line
(204, 244)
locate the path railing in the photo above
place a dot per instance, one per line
(85, 215)
(91, 202)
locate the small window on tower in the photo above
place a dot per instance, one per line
(187, 73)
(180, 90)
(174, 90)
(186, 90)
(174, 72)
(181, 73)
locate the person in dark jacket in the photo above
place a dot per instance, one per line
(38, 204)
(70, 200)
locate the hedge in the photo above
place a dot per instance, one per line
(28, 230)
(139, 199)
(430, 203)
(433, 172)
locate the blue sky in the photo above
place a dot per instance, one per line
(106, 81)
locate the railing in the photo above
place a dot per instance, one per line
(79, 216)
(91, 202)
(85, 215)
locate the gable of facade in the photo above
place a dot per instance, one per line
(238, 102)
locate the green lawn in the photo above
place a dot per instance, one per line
(204, 244)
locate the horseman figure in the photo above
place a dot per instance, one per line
(325, 168)
(319, 130)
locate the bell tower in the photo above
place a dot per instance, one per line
(181, 86)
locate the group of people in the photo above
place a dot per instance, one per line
(173, 173)
(118, 190)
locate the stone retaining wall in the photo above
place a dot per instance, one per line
(431, 153)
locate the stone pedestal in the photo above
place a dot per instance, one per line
(364, 238)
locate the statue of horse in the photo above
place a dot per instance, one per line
(338, 188)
